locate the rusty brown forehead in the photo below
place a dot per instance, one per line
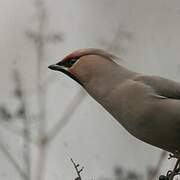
(90, 51)
(79, 53)
(73, 55)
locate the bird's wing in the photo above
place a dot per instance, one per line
(163, 87)
(160, 120)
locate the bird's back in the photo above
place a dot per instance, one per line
(145, 112)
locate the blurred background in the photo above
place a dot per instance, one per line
(46, 118)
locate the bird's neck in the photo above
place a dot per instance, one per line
(102, 84)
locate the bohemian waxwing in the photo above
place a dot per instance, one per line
(148, 107)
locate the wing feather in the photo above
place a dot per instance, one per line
(162, 86)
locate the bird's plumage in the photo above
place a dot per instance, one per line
(147, 106)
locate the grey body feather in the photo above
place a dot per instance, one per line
(146, 106)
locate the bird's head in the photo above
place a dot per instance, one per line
(84, 64)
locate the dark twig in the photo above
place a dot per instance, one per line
(176, 170)
(78, 171)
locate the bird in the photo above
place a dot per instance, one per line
(147, 106)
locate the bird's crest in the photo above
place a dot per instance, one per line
(90, 51)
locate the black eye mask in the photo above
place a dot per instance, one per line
(63, 66)
(68, 63)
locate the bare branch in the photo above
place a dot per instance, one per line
(5, 114)
(41, 161)
(32, 36)
(16, 131)
(21, 113)
(41, 39)
(117, 43)
(13, 161)
(155, 171)
(78, 171)
(54, 38)
(66, 116)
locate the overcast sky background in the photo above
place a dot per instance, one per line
(92, 137)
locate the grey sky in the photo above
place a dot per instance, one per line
(92, 137)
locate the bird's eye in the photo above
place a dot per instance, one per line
(72, 61)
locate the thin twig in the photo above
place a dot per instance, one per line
(78, 171)
(40, 40)
(20, 94)
(158, 166)
(16, 131)
(27, 145)
(13, 161)
(71, 109)
(174, 172)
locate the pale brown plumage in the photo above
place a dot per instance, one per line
(147, 106)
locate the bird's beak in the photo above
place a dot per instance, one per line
(63, 69)
(57, 67)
